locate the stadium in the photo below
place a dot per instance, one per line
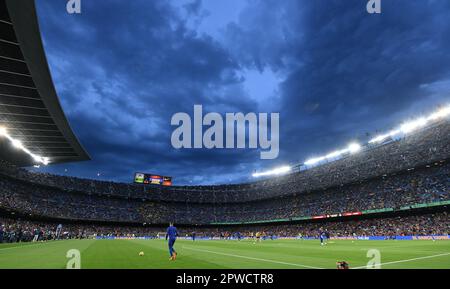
(390, 193)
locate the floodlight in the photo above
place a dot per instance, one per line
(3, 131)
(354, 148)
(276, 171)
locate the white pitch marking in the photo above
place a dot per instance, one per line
(24, 246)
(407, 260)
(253, 258)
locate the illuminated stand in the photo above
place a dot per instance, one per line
(353, 148)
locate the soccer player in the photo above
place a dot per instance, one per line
(322, 237)
(37, 232)
(258, 237)
(172, 236)
(58, 232)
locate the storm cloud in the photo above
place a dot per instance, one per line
(334, 73)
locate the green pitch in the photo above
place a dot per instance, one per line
(291, 254)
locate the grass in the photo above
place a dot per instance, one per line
(290, 254)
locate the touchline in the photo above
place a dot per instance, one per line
(236, 127)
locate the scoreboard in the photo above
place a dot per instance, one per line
(150, 179)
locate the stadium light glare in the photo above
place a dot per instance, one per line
(276, 171)
(314, 161)
(3, 131)
(441, 113)
(405, 128)
(18, 144)
(381, 138)
(411, 126)
(354, 148)
(334, 154)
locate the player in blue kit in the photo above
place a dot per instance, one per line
(327, 236)
(171, 235)
(322, 237)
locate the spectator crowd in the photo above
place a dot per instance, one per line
(426, 185)
(416, 150)
(13, 230)
(413, 170)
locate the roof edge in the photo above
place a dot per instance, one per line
(24, 18)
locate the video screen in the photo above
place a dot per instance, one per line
(151, 179)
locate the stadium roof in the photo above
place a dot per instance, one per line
(30, 111)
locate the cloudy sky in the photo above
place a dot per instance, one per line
(332, 71)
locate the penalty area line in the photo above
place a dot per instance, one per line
(407, 260)
(252, 258)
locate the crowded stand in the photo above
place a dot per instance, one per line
(429, 184)
(421, 148)
(410, 171)
(437, 224)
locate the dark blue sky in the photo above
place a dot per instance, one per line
(332, 71)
